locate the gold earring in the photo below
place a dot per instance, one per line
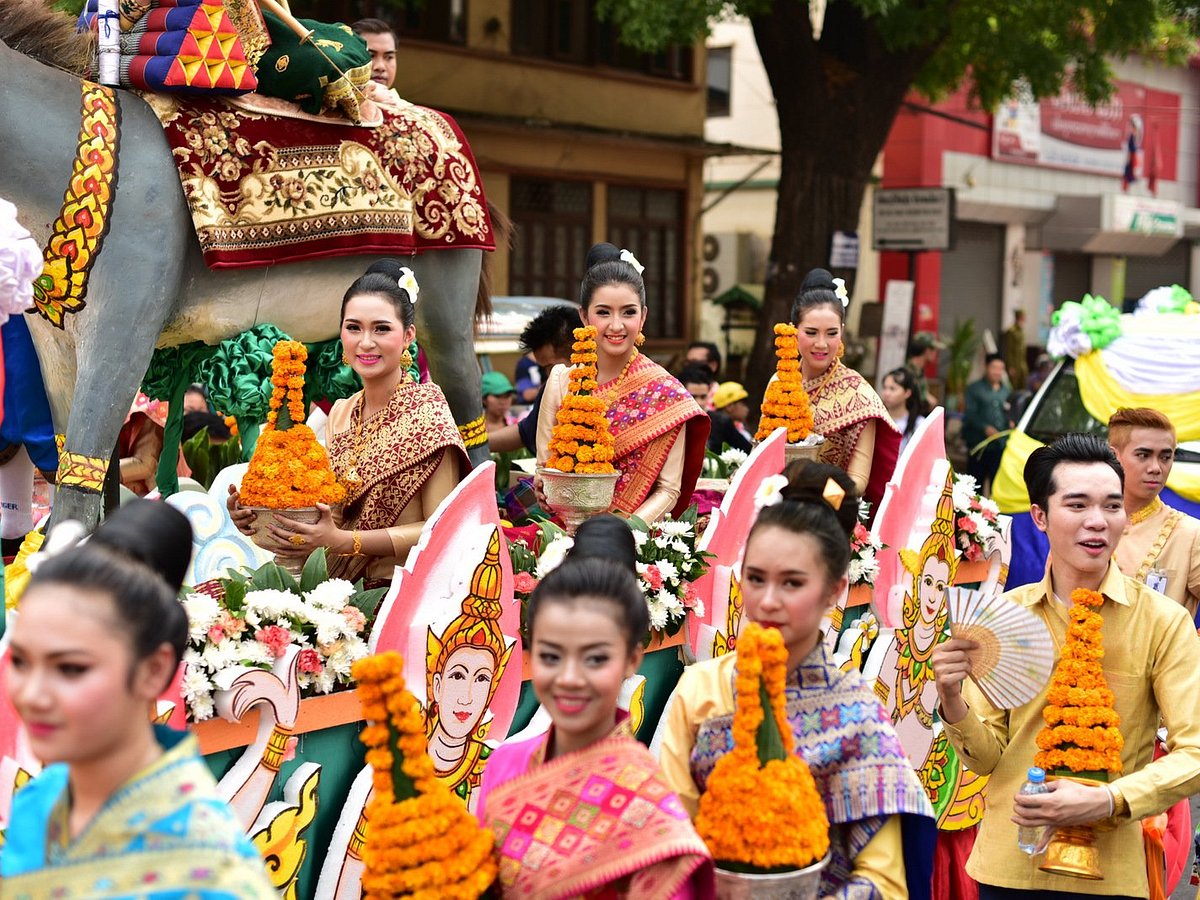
(841, 351)
(406, 359)
(345, 358)
(640, 339)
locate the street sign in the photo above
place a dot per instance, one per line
(913, 219)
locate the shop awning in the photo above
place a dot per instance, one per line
(1114, 224)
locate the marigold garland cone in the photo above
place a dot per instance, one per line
(421, 842)
(785, 404)
(761, 811)
(289, 469)
(1082, 733)
(580, 441)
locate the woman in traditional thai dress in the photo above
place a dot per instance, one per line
(124, 808)
(793, 572)
(860, 436)
(660, 430)
(588, 776)
(394, 444)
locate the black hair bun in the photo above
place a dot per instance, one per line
(807, 483)
(385, 266)
(600, 253)
(153, 533)
(817, 279)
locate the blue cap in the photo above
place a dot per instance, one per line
(1036, 775)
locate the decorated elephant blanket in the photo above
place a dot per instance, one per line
(264, 189)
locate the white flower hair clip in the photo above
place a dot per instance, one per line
(408, 281)
(628, 257)
(839, 291)
(769, 492)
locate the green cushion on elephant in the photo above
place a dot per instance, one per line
(301, 72)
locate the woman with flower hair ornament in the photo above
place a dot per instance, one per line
(860, 436)
(660, 430)
(793, 572)
(393, 445)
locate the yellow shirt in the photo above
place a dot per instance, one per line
(1166, 552)
(1150, 661)
(706, 691)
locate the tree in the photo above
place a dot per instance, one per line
(837, 97)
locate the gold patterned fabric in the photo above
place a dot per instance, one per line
(843, 404)
(264, 189)
(393, 462)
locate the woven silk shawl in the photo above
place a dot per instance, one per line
(841, 408)
(645, 420)
(599, 822)
(164, 834)
(394, 461)
(846, 737)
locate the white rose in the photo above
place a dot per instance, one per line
(734, 457)
(202, 611)
(332, 594)
(202, 708)
(675, 529)
(553, 556)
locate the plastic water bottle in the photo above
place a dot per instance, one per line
(1029, 836)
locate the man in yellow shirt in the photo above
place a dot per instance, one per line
(1150, 651)
(1161, 546)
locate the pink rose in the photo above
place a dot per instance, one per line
(231, 624)
(275, 638)
(689, 596)
(653, 577)
(310, 661)
(215, 634)
(524, 583)
(354, 617)
(965, 523)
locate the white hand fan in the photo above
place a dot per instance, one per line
(1016, 653)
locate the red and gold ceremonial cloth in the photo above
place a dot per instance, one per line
(264, 189)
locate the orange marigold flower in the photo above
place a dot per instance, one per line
(763, 814)
(1082, 731)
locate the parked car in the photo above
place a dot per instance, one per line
(1058, 408)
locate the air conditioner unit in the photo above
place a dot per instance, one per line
(721, 253)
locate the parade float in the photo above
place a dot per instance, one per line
(268, 681)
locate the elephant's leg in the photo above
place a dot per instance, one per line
(134, 288)
(446, 328)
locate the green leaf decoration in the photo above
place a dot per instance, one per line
(770, 741)
(316, 571)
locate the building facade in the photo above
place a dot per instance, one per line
(1053, 199)
(578, 138)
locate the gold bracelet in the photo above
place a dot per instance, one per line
(356, 550)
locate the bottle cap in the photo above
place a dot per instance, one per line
(1036, 775)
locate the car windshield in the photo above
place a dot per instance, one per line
(1060, 409)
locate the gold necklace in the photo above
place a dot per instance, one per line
(611, 393)
(1145, 512)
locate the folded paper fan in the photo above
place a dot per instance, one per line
(1016, 653)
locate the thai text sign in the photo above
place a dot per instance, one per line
(1108, 139)
(913, 219)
